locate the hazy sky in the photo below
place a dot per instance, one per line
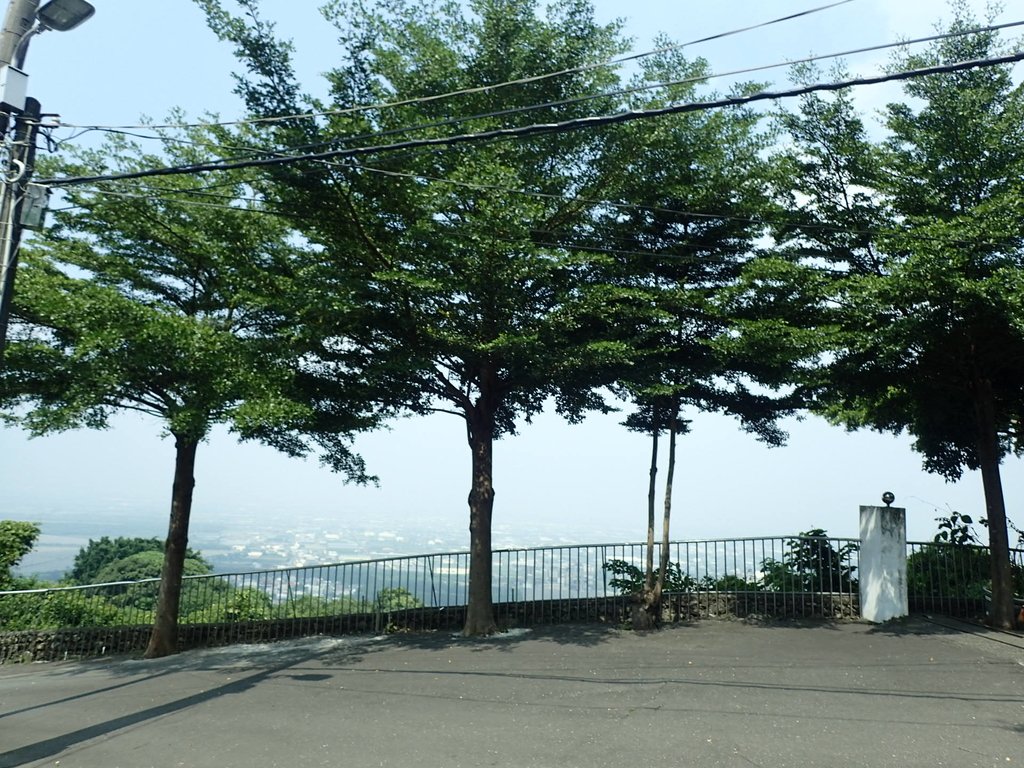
(143, 58)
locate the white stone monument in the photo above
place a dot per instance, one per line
(883, 562)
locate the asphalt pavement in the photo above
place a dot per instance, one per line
(712, 693)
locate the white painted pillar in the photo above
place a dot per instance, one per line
(883, 563)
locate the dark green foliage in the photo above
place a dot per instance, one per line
(913, 256)
(956, 529)
(157, 300)
(449, 278)
(956, 565)
(949, 570)
(58, 609)
(728, 583)
(811, 564)
(689, 195)
(228, 605)
(16, 540)
(308, 606)
(72, 609)
(395, 599)
(146, 565)
(98, 554)
(629, 579)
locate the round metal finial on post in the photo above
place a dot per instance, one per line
(888, 498)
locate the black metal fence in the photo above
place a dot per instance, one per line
(790, 576)
(954, 579)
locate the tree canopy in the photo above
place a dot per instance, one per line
(92, 562)
(921, 240)
(171, 301)
(451, 270)
(16, 540)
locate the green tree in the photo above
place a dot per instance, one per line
(310, 606)
(441, 266)
(142, 567)
(231, 605)
(163, 300)
(95, 556)
(955, 565)
(395, 599)
(16, 540)
(811, 564)
(688, 202)
(629, 579)
(922, 240)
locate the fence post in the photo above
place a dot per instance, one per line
(883, 563)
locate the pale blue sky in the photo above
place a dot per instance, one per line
(136, 58)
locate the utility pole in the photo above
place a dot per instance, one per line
(23, 153)
(23, 20)
(19, 20)
(18, 23)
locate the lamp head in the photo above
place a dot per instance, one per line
(63, 15)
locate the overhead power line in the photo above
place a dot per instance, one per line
(577, 100)
(180, 197)
(544, 128)
(666, 84)
(483, 88)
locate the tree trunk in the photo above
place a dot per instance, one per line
(648, 610)
(643, 612)
(673, 432)
(480, 611)
(1001, 614)
(651, 496)
(164, 639)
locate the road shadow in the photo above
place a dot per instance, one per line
(276, 662)
(582, 635)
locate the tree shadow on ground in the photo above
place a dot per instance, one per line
(262, 667)
(583, 635)
(924, 625)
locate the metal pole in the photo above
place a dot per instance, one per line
(18, 22)
(23, 155)
(20, 18)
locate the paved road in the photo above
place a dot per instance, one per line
(707, 694)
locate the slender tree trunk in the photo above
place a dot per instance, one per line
(164, 639)
(652, 490)
(643, 615)
(480, 611)
(1001, 615)
(673, 433)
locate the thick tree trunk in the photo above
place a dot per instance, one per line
(480, 611)
(164, 639)
(1001, 615)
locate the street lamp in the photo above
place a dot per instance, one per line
(24, 20)
(64, 15)
(58, 15)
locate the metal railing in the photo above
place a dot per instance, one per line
(954, 579)
(790, 576)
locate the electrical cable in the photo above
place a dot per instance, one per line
(485, 88)
(761, 221)
(549, 128)
(579, 99)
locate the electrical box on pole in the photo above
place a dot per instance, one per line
(13, 89)
(34, 205)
